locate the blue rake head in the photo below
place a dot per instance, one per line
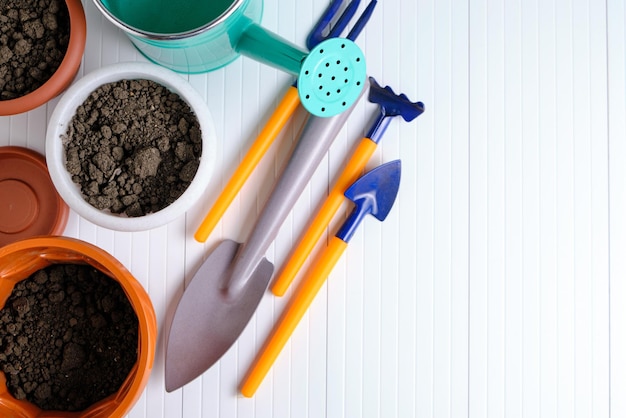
(324, 24)
(394, 104)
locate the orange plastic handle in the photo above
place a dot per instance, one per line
(266, 137)
(292, 315)
(349, 175)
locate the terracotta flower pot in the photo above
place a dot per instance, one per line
(21, 259)
(64, 75)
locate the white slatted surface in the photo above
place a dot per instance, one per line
(496, 287)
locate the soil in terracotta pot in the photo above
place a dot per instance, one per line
(133, 147)
(68, 337)
(34, 35)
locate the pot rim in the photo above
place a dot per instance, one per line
(236, 4)
(64, 75)
(120, 402)
(65, 110)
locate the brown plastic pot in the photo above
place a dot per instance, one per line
(66, 72)
(21, 259)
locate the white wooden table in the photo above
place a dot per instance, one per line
(497, 285)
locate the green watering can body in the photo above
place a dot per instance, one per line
(196, 36)
(205, 51)
(191, 47)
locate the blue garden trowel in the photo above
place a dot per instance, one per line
(373, 194)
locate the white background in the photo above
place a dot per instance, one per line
(497, 285)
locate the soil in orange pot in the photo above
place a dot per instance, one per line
(68, 337)
(34, 36)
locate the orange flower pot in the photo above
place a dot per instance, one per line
(21, 259)
(64, 75)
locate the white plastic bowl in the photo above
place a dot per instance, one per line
(65, 110)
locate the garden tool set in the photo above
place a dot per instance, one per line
(373, 194)
(281, 114)
(390, 105)
(196, 36)
(226, 290)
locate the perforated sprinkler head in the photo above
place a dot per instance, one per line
(332, 77)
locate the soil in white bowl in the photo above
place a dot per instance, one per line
(34, 36)
(133, 147)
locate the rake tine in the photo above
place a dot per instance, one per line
(324, 20)
(363, 19)
(323, 23)
(344, 19)
(316, 35)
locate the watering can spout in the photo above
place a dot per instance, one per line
(330, 76)
(267, 47)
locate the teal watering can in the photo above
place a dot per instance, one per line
(196, 36)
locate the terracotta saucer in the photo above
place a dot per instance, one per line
(29, 203)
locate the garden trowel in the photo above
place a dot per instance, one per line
(224, 293)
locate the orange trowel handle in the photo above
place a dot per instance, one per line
(318, 225)
(290, 318)
(266, 137)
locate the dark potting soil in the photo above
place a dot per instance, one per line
(133, 147)
(34, 36)
(68, 337)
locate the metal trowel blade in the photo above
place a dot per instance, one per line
(207, 321)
